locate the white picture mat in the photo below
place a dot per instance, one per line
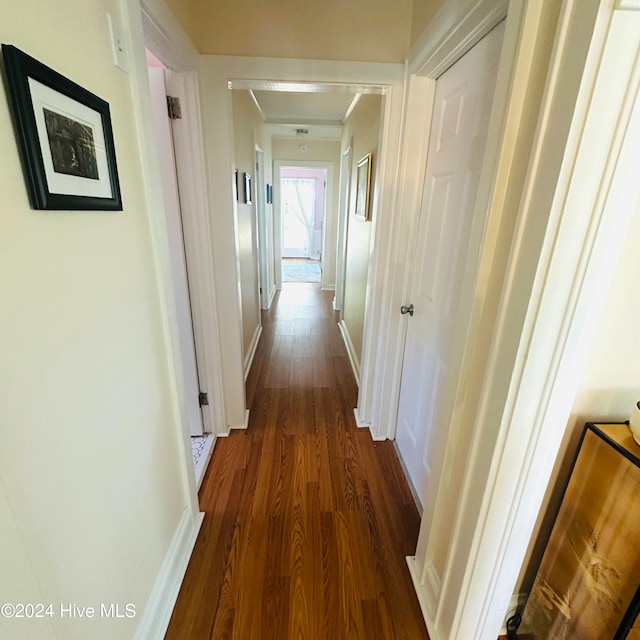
(45, 97)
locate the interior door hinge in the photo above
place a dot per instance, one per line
(204, 399)
(173, 108)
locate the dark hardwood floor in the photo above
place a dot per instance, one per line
(308, 521)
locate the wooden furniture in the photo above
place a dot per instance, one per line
(588, 584)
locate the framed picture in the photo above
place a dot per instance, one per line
(269, 194)
(236, 190)
(64, 136)
(363, 187)
(247, 188)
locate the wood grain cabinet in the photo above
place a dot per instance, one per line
(587, 587)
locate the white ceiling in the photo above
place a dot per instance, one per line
(321, 114)
(288, 107)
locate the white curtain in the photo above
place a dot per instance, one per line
(298, 197)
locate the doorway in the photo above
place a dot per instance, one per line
(302, 212)
(201, 439)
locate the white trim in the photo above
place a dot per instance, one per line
(248, 72)
(596, 194)
(427, 606)
(217, 120)
(243, 425)
(187, 135)
(351, 352)
(344, 192)
(272, 294)
(455, 29)
(359, 422)
(385, 218)
(248, 360)
(155, 618)
(628, 5)
(329, 287)
(415, 137)
(261, 224)
(141, 100)
(169, 42)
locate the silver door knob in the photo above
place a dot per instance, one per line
(404, 309)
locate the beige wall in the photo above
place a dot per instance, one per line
(91, 483)
(362, 129)
(423, 13)
(285, 149)
(371, 30)
(609, 388)
(247, 125)
(183, 11)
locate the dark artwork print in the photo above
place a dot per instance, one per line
(72, 147)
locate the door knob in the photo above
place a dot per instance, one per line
(404, 309)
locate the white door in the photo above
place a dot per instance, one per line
(176, 248)
(462, 107)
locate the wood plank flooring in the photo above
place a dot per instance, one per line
(308, 521)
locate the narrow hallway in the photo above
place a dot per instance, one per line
(308, 521)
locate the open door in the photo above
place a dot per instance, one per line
(179, 276)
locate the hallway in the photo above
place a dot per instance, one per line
(308, 520)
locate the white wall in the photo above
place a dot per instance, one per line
(362, 127)
(246, 123)
(92, 486)
(609, 388)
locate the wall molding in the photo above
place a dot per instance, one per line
(455, 29)
(628, 5)
(351, 352)
(155, 618)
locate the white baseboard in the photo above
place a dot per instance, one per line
(407, 477)
(366, 425)
(351, 352)
(244, 425)
(155, 618)
(328, 287)
(359, 421)
(248, 361)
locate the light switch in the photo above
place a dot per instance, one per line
(117, 44)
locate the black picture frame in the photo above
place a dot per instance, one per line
(247, 187)
(64, 137)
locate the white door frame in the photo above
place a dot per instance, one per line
(329, 167)
(343, 217)
(187, 135)
(540, 290)
(261, 207)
